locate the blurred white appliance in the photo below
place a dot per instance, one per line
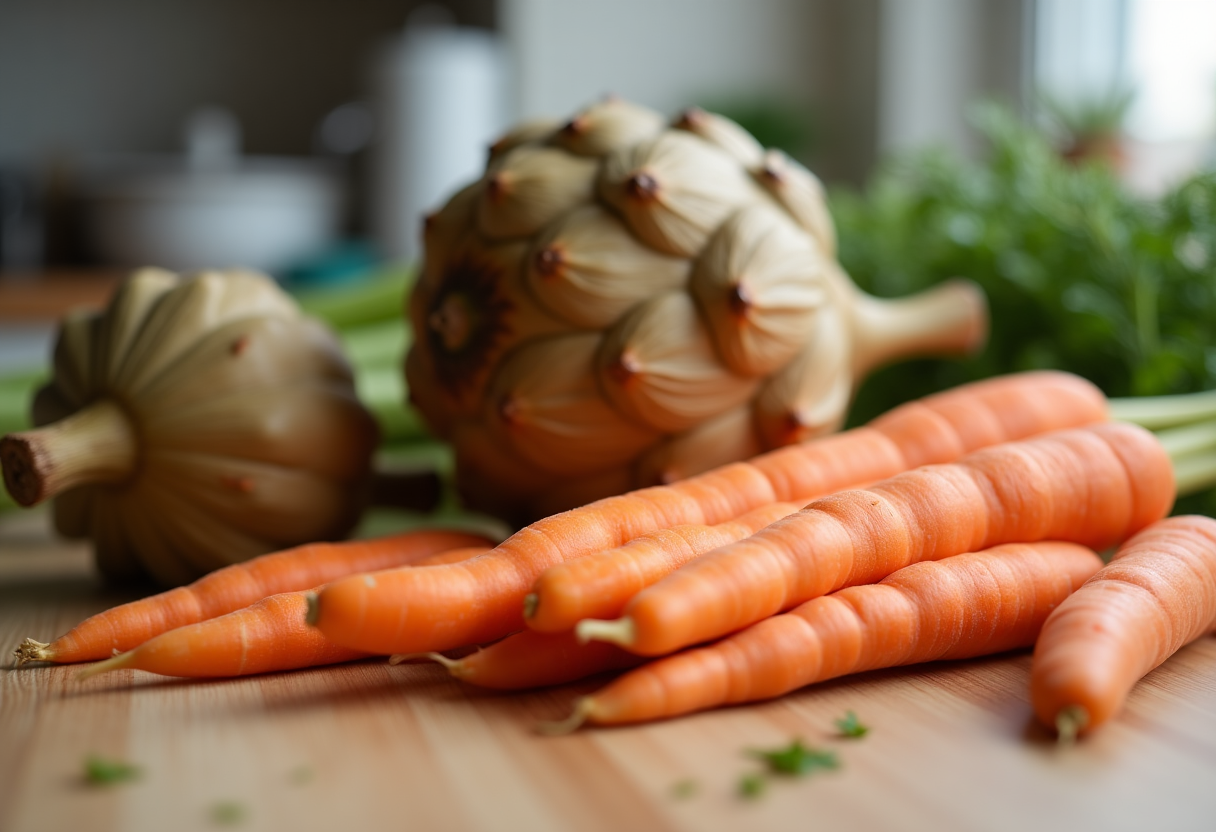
(440, 98)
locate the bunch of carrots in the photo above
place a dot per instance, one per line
(963, 524)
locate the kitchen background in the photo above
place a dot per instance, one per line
(307, 137)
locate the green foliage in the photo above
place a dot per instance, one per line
(796, 759)
(850, 726)
(101, 771)
(1080, 274)
(1095, 116)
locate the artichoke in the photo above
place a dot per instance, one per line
(619, 302)
(193, 423)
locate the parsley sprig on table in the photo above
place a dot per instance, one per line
(850, 726)
(794, 760)
(102, 771)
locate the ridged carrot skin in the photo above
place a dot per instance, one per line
(964, 606)
(533, 660)
(235, 587)
(452, 555)
(1094, 486)
(601, 584)
(1157, 594)
(437, 608)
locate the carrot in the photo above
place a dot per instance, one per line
(532, 660)
(477, 601)
(1157, 594)
(265, 637)
(601, 584)
(1093, 486)
(452, 555)
(235, 587)
(964, 606)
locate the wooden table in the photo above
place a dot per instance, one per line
(367, 746)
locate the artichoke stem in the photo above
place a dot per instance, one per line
(949, 319)
(94, 445)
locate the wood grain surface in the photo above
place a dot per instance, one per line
(366, 746)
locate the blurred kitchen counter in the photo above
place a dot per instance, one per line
(44, 296)
(369, 746)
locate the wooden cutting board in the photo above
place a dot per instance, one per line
(367, 746)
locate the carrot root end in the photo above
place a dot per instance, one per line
(1070, 722)
(32, 651)
(452, 666)
(621, 631)
(116, 663)
(582, 710)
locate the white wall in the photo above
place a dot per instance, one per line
(939, 56)
(663, 53)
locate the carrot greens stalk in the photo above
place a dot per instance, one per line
(1157, 594)
(1156, 412)
(235, 587)
(955, 608)
(436, 608)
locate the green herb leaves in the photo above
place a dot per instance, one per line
(850, 726)
(101, 771)
(796, 759)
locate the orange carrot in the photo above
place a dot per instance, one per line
(477, 601)
(964, 606)
(1093, 486)
(1157, 594)
(265, 637)
(235, 587)
(532, 660)
(601, 584)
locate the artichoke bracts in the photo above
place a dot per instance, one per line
(620, 302)
(194, 423)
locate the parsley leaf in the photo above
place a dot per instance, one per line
(103, 772)
(685, 789)
(228, 813)
(797, 759)
(850, 726)
(752, 786)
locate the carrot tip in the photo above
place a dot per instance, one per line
(582, 710)
(620, 632)
(531, 602)
(116, 663)
(1071, 721)
(32, 651)
(314, 608)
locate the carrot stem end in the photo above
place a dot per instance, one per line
(531, 602)
(1070, 722)
(621, 631)
(313, 613)
(32, 651)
